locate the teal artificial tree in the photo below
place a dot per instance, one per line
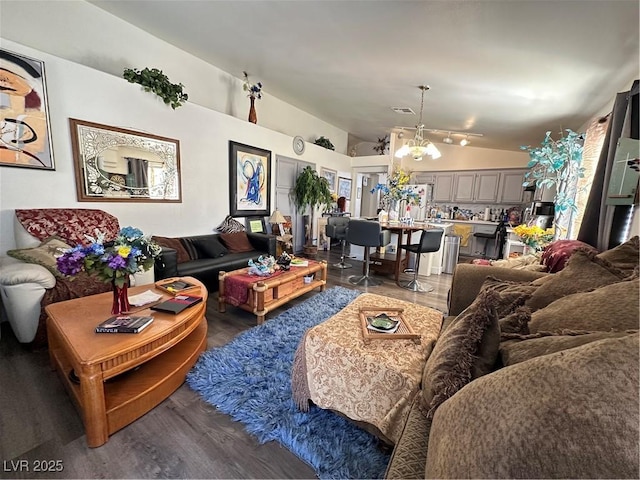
(558, 163)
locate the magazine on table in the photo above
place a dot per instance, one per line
(177, 304)
(124, 324)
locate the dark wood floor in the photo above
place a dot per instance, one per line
(183, 437)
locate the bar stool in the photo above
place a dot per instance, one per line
(366, 234)
(497, 235)
(429, 242)
(337, 229)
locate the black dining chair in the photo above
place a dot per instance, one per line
(367, 234)
(337, 230)
(499, 236)
(430, 241)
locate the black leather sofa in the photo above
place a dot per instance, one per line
(208, 256)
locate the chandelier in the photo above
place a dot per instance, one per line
(419, 146)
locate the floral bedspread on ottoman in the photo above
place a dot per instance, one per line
(372, 383)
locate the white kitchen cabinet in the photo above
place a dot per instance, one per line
(464, 187)
(443, 187)
(511, 189)
(486, 188)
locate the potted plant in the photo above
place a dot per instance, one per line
(558, 162)
(311, 191)
(324, 142)
(153, 80)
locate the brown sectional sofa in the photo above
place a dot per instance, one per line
(562, 397)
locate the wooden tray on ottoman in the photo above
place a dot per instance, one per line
(404, 331)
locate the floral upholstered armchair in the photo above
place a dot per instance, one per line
(29, 279)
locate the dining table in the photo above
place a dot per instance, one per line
(394, 263)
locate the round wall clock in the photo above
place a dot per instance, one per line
(298, 145)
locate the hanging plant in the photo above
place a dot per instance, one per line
(153, 80)
(325, 142)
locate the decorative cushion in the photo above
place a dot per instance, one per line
(583, 272)
(511, 295)
(71, 224)
(176, 244)
(556, 254)
(230, 225)
(516, 322)
(237, 242)
(625, 257)
(612, 307)
(45, 254)
(467, 349)
(571, 414)
(208, 246)
(516, 351)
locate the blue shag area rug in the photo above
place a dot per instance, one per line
(250, 379)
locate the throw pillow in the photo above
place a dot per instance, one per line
(230, 225)
(516, 322)
(556, 254)
(237, 242)
(612, 307)
(584, 272)
(517, 351)
(571, 414)
(625, 256)
(467, 349)
(45, 254)
(174, 243)
(511, 295)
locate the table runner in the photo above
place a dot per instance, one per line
(236, 287)
(372, 383)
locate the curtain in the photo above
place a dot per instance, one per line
(603, 225)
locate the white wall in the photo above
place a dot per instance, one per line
(77, 91)
(83, 33)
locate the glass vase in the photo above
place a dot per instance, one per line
(120, 298)
(394, 210)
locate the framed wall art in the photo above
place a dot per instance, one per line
(344, 187)
(24, 117)
(114, 164)
(331, 176)
(256, 225)
(249, 180)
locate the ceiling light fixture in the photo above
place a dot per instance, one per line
(465, 141)
(448, 140)
(419, 146)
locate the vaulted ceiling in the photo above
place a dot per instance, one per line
(509, 70)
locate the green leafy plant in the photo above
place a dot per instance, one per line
(559, 163)
(325, 142)
(311, 191)
(382, 145)
(153, 80)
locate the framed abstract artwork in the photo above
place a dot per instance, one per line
(24, 113)
(331, 176)
(249, 180)
(344, 187)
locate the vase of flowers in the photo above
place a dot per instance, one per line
(254, 91)
(534, 237)
(112, 262)
(395, 191)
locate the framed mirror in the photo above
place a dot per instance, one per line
(118, 165)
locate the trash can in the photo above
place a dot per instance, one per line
(451, 251)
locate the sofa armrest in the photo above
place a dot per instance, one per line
(166, 264)
(19, 273)
(263, 242)
(468, 279)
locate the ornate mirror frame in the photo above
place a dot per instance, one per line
(118, 165)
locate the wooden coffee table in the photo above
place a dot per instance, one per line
(266, 294)
(122, 376)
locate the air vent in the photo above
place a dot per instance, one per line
(403, 110)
